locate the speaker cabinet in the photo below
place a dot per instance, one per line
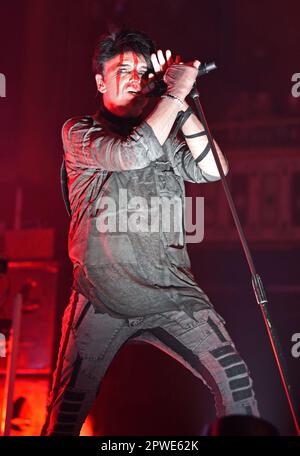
(38, 281)
(38, 314)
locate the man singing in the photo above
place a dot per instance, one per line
(132, 272)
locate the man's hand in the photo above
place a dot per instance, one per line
(161, 63)
(178, 76)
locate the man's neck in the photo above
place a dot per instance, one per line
(119, 119)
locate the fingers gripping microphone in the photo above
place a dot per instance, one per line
(158, 87)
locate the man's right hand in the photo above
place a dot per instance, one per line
(180, 78)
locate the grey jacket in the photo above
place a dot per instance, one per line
(129, 269)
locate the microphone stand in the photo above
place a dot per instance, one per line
(257, 284)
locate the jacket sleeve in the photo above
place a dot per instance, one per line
(87, 145)
(183, 160)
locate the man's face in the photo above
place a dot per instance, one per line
(121, 83)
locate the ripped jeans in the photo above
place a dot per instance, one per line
(201, 344)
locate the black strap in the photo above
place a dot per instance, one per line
(181, 118)
(195, 135)
(203, 154)
(186, 114)
(64, 186)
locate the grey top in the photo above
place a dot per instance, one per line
(127, 260)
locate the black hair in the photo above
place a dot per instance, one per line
(117, 42)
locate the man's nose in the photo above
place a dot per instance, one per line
(134, 76)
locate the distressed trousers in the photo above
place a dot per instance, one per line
(91, 340)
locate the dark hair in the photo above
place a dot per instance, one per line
(117, 42)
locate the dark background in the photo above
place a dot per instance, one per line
(45, 54)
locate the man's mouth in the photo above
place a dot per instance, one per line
(134, 89)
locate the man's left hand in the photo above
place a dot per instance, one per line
(162, 62)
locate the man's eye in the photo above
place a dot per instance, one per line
(142, 74)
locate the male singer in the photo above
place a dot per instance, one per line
(125, 170)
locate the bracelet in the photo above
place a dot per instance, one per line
(173, 97)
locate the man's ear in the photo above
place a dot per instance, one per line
(100, 83)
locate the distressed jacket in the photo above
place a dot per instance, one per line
(129, 272)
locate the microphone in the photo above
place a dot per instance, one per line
(158, 87)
